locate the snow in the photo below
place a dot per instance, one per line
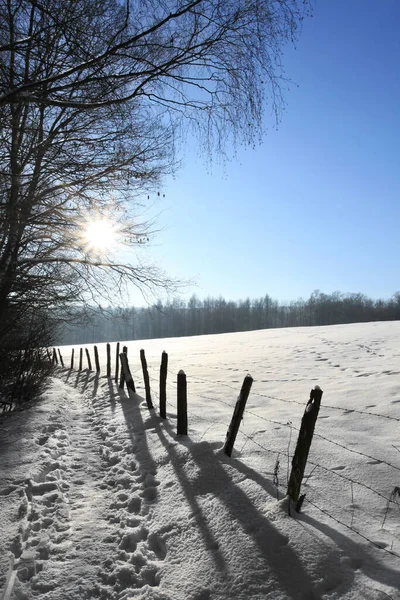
(99, 498)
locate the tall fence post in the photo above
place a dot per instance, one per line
(130, 384)
(122, 376)
(163, 384)
(182, 404)
(108, 361)
(96, 359)
(89, 362)
(80, 358)
(303, 446)
(61, 358)
(116, 363)
(237, 415)
(55, 359)
(72, 358)
(48, 354)
(146, 379)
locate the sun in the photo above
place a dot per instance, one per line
(100, 235)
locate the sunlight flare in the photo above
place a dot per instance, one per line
(100, 235)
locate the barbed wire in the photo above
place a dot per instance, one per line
(379, 460)
(297, 429)
(288, 401)
(351, 528)
(309, 461)
(248, 437)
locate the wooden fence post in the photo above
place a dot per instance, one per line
(237, 415)
(122, 376)
(89, 362)
(80, 358)
(55, 359)
(182, 404)
(48, 354)
(146, 379)
(61, 358)
(116, 363)
(108, 360)
(163, 384)
(130, 384)
(72, 358)
(96, 359)
(303, 445)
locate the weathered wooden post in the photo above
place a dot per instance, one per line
(116, 363)
(89, 362)
(72, 358)
(80, 358)
(122, 376)
(48, 354)
(237, 415)
(303, 446)
(96, 359)
(163, 384)
(108, 360)
(130, 384)
(55, 359)
(146, 379)
(182, 404)
(61, 358)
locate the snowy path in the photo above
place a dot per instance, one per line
(83, 517)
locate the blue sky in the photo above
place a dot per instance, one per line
(317, 205)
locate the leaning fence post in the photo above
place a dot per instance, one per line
(108, 360)
(89, 362)
(122, 376)
(116, 363)
(237, 415)
(182, 404)
(61, 358)
(80, 358)
(163, 384)
(96, 359)
(303, 445)
(72, 359)
(146, 379)
(55, 359)
(130, 384)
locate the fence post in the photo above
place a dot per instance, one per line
(48, 354)
(182, 404)
(108, 360)
(89, 362)
(116, 363)
(237, 415)
(122, 376)
(130, 384)
(61, 358)
(55, 359)
(96, 359)
(72, 359)
(303, 445)
(146, 379)
(163, 384)
(80, 358)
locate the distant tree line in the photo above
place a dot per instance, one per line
(217, 315)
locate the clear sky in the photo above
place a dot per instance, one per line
(317, 205)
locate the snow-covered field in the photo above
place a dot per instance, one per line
(100, 499)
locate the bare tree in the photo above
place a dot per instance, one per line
(93, 95)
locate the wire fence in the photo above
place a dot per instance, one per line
(360, 504)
